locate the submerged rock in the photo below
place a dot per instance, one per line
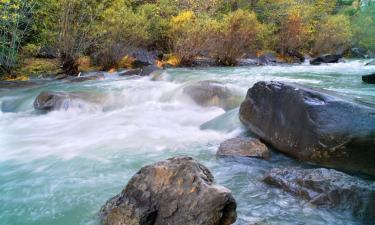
(97, 76)
(244, 147)
(145, 71)
(49, 101)
(132, 72)
(226, 122)
(17, 84)
(369, 78)
(372, 63)
(212, 93)
(148, 70)
(330, 188)
(176, 191)
(312, 125)
(325, 59)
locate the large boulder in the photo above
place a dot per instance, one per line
(244, 147)
(369, 78)
(212, 93)
(176, 191)
(326, 59)
(312, 125)
(52, 100)
(327, 188)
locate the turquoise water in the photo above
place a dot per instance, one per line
(61, 167)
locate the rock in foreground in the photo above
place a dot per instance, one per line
(369, 79)
(329, 188)
(244, 147)
(312, 125)
(176, 191)
(212, 93)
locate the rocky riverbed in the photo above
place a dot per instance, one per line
(60, 163)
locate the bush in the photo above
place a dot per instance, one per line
(333, 36)
(189, 35)
(294, 32)
(30, 50)
(237, 34)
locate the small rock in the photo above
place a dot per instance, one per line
(325, 187)
(369, 78)
(178, 191)
(372, 63)
(244, 147)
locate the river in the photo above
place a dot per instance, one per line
(60, 168)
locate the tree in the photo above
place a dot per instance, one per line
(15, 23)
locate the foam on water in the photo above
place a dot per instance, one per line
(60, 167)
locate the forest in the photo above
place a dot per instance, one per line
(37, 36)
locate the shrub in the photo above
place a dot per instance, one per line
(30, 50)
(294, 33)
(189, 34)
(237, 34)
(333, 36)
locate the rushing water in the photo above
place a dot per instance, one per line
(60, 168)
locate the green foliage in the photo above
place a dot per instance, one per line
(233, 37)
(14, 25)
(189, 35)
(108, 30)
(334, 35)
(363, 26)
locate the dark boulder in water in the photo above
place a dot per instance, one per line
(325, 59)
(49, 101)
(176, 191)
(369, 78)
(52, 100)
(212, 93)
(328, 188)
(312, 125)
(244, 147)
